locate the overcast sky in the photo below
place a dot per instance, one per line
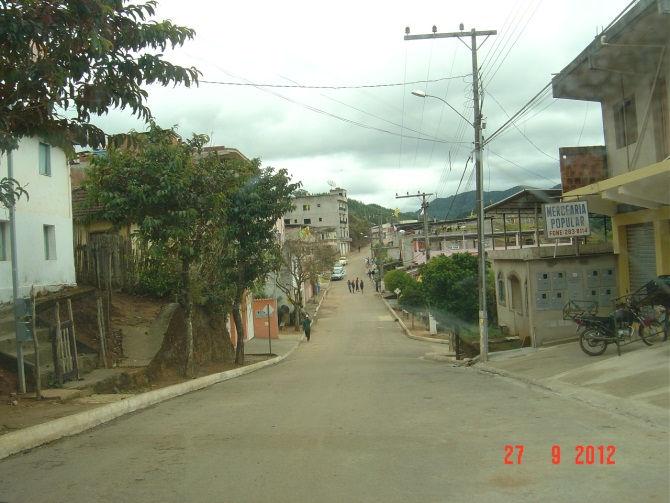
(361, 42)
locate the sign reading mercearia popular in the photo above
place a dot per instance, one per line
(565, 220)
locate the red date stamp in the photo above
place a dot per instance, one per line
(583, 454)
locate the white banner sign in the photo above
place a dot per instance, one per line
(564, 220)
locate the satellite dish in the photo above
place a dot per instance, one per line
(331, 183)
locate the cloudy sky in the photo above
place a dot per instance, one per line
(366, 139)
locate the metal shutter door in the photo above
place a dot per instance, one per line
(641, 254)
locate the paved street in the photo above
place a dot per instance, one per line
(356, 414)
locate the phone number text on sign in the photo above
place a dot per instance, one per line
(566, 219)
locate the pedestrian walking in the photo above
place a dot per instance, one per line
(349, 285)
(356, 284)
(361, 286)
(307, 326)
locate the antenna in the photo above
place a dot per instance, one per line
(331, 183)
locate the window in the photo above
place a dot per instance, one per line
(49, 242)
(305, 207)
(307, 221)
(295, 221)
(318, 205)
(4, 233)
(501, 290)
(287, 221)
(45, 159)
(625, 122)
(320, 219)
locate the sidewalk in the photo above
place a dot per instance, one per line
(637, 383)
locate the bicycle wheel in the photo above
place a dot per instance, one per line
(592, 342)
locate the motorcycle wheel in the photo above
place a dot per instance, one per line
(654, 332)
(592, 343)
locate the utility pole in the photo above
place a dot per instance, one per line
(473, 34)
(424, 208)
(15, 282)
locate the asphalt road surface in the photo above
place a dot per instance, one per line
(357, 414)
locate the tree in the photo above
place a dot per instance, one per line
(303, 258)
(246, 233)
(63, 61)
(171, 192)
(450, 286)
(10, 192)
(411, 291)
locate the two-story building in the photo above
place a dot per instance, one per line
(326, 214)
(43, 221)
(626, 69)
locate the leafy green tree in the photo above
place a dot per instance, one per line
(171, 193)
(246, 234)
(10, 192)
(450, 286)
(63, 61)
(396, 279)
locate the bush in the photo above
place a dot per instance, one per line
(396, 279)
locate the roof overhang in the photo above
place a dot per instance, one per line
(647, 187)
(631, 45)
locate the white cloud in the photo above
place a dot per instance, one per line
(352, 42)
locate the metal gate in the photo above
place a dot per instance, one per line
(641, 254)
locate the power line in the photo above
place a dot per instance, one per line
(519, 130)
(301, 86)
(522, 168)
(329, 114)
(520, 32)
(451, 204)
(524, 109)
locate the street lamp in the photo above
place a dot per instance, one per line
(481, 253)
(422, 94)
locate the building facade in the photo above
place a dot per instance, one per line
(627, 70)
(43, 221)
(325, 214)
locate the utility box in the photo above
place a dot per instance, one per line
(24, 320)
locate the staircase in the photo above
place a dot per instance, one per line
(87, 360)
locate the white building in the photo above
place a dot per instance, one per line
(324, 214)
(43, 222)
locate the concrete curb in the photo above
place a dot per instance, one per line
(655, 416)
(407, 331)
(34, 436)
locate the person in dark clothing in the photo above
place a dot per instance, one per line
(361, 286)
(307, 326)
(349, 285)
(356, 284)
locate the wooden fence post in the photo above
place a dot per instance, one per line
(73, 341)
(101, 332)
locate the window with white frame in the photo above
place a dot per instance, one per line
(49, 242)
(45, 159)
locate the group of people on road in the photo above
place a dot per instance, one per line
(355, 286)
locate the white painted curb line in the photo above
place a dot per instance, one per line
(407, 331)
(33, 436)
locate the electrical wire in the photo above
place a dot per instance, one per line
(553, 181)
(518, 36)
(423, 107)
(524, 109)
(521, 132)
(451, 204)
(333, 87)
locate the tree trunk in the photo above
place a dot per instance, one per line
(239, 328)
(189, 371)
(298, 310)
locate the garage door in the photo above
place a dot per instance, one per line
(641, 254)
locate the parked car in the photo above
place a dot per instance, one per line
(343, 261)
(338, 273)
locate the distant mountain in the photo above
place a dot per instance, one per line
(464, 204)
(371, 212)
